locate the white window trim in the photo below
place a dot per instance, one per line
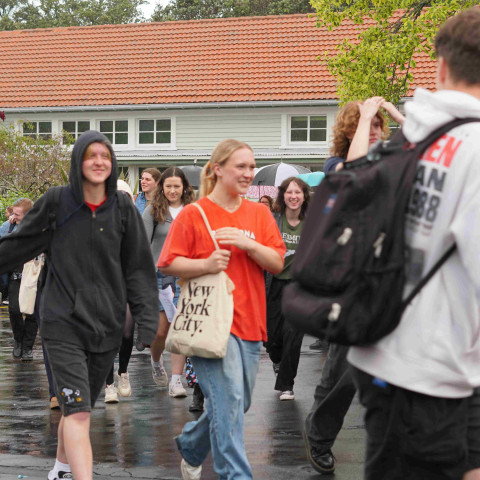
(286, 129)
(126, 119)
(157, 146)
(62, 121)
(38, 128)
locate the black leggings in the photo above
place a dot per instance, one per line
(125, 350)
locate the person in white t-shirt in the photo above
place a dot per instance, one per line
(170, 196)
(417, 382)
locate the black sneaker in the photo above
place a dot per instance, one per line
(27, 356)
(197, 400)
(17, 350)
(321, 345)
(322, 461)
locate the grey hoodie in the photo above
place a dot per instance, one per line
(95, 267)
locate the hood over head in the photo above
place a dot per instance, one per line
(75, 175)
(430, 110)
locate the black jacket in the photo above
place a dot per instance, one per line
(95, 268)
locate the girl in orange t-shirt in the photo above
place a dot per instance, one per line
(250, 242)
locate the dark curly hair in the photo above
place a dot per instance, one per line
(159, 201)
(280, 206)
(346, 125)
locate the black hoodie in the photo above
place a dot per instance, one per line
(95, 268)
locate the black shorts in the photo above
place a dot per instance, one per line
(78, 375)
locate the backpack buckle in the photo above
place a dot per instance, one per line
(334, 312)
(345, 236)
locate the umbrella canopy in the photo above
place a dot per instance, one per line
(275, 174)
(192, 172)
(313, 179)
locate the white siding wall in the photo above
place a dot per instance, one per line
(197, 129)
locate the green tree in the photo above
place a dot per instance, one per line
(66, 13)
(197, 9)
(378, 61)
(30, 166)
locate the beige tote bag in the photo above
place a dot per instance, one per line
(28, 284)
(202, 323)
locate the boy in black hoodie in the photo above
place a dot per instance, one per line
(99, 259)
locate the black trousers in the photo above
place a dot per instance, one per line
(332, 399)
(24, 331)
(411, 436)
(284, 342)
(125, 351)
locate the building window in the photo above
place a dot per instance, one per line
(115, 130)
(308, 128)
(41, 130)
(72, 130)
(155, 132)
(394, 128)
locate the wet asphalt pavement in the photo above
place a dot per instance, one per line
(133, 439)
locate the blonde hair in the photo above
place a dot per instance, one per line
(221, 153)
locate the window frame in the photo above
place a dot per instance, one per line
(155, 145)
(76, 134)
(114, 132)
(307, 142)
(37, 133)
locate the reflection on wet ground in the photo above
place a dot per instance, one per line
(138, 431)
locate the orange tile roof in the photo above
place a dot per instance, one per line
(222, 60)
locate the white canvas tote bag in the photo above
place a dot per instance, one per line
(28, 284)
(202, 323)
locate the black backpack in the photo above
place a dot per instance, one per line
(348, 273)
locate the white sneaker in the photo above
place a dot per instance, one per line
(123, 380)
(287, 395)
(176, 390)
(111, 394)
(189, 472)
(159, 374)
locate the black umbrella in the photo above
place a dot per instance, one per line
(192, 172)
(275, 174)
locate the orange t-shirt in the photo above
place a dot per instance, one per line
(189, 237)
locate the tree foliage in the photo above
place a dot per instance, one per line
(197, 9)
(379, 60)
(21, 14)
(30, 166)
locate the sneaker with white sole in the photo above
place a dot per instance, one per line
(189, 472)
(59, 476)
(111, 394)
(287, 395)
(159, 374)
(176, 390)
(124, 388)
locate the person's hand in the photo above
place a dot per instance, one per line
(233, 236)
(393, 113)
(369, 108)
(217, 261)
(11, 218)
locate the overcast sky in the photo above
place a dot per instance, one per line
(149, 7)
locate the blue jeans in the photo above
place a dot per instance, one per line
(227, 384)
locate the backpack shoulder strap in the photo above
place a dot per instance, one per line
(53, 202)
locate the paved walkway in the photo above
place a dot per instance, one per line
(133, 439)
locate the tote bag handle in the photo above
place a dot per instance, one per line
(205, 219)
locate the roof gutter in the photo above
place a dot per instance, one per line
(174, 106)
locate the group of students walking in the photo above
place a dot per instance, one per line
(107, 264)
